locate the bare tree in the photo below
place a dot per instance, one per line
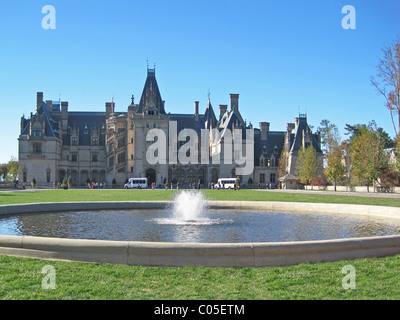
(388, 82)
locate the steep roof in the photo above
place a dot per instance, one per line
(88, 121)
(151, 96)
(273, 145)
(209, 116)
(298, 136)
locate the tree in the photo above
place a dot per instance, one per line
(307, 165)
(13, 168)
(335, 168)
(3, 171)
(283, 162)
(368, 157)
(329, 135)
(356, 129)
(388, 82)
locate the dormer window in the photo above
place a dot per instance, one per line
(95, 141)
(264, 148)
(37, 132)
(86, 129)
(151, 111)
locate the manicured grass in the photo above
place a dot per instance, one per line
(147, 195)
(21, 278)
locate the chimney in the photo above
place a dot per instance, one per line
(222, 110)
(264, 128)
(109, 109)
(196, 110)
(296, 121)
(39, 100)
(49, 103)
(64, 110)
(290, 127)
(234, 98)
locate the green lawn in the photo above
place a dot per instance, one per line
(146, 195)
(21, 278)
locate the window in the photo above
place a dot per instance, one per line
(272, 178)
(95, 141)
(37, 132)
(74, 157)
(121, 142)
(74, 141)
(94, 157)
(37, 148)
(262, 177)
(121, 157)
(111, 161)
(48, 176)
(24, 176)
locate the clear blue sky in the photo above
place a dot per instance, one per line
(282, 57)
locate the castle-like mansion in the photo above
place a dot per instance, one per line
(107, 145)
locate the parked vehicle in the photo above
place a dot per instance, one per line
(225, 183)
(136, 183)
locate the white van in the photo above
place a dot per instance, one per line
(225, 183)
(136, 183)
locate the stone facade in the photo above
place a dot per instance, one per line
(105, 146)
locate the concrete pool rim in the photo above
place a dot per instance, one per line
(202, 254)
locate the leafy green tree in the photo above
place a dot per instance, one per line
(307, 165)
(335, 169)
(13, 168)
(3, 171)
(329, 135)
(368, 157)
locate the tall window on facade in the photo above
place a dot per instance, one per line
(262, 177)
(121, 142)
(95, 141)
(37, 132)
(24, 176)
(74, 157)
(272, 178)
(48, 176)
(74, 141)
(37, 148)
(95, 157)
(121, 157)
